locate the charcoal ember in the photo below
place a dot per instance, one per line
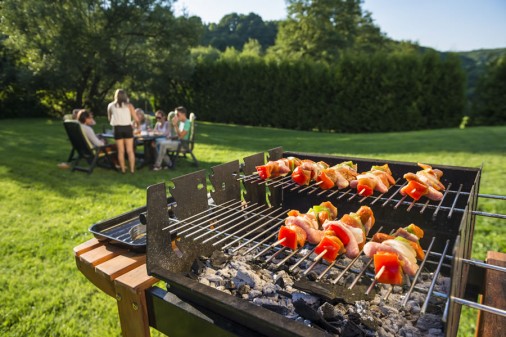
(409, 331)
(436, 333)
(219, 259)
(243, 289)
(269, 289)
(279, 281)
(247, 276)
(229, 284)
(197, 267)
(312, 276)
(305, 310)
(429, 321)
(218, 280)
(254, 294)
(352, 329)
(272, 305)
(306, 298)
(329, 312)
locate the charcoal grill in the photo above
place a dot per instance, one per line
(245, 213)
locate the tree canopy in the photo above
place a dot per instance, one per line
(234, 30)
(79, 50)
(324, 29)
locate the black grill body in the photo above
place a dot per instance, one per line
(170, 255)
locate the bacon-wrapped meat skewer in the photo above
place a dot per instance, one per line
(425, 182)
(300, 227)
(379, 178)
(278, 168)
(351, 229)
(307, 171)
(338, 175)
(395, 254)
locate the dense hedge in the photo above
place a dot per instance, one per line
(359, 94)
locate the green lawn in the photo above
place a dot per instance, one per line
(46, 211)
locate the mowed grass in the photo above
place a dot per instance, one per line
(46, 211)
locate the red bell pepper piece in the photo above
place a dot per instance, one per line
(294, 236)
(333, 245)
(301, 176)
(365, 187)
(392, 274)
(264, 171)
(415, 189)
(326, 183)
(340, 233)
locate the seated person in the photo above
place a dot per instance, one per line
(87, 121)
(162, 127)
(143, 124)
(182, 128)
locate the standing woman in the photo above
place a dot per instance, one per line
(120, 114)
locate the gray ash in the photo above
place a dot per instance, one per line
(321, 304)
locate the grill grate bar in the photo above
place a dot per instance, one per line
(301, 260)
(245, 235)
(455, 202)
(232, 227)
(199, 215)
(262, 218)
(280, 263)
(394, 194)
(277, 181)
(479, 306)
(233, 213)
(433, 283)
(424, 206)
(441, 201)
(359, 275)
(427, 253)
(277, 224)
(275, 254)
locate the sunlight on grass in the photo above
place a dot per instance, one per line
(46, 211)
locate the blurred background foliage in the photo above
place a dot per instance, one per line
(326, 67)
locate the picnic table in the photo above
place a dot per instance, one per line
(146, 139)
(122, 274)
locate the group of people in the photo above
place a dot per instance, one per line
(127, 121)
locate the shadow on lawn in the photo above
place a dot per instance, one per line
(32, 157)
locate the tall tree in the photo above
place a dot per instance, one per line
(323, 29)
(234, 30)
(489, 106)
(80, 49)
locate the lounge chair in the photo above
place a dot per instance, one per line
(82, 149)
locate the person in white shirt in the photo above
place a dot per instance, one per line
(120, 113)
(87, 121)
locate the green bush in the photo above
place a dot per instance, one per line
(361, 93)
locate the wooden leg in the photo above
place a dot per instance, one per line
(131, 298)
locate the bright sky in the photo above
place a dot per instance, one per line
(446, 25)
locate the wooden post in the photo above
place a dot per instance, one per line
(490, 325)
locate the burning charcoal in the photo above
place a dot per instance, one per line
(254, 294)
(436, 333)
(409, 331)
(312, 276)
(351, 329)
(197, 267)
(243, 289)
(280, 282)
(216, 279)
(269, 289)
(306, 298)
(306, 311)
(329, 312)
(219, 259)
(428, 321)
(229, 284)
(272, 305)
(244, 275)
